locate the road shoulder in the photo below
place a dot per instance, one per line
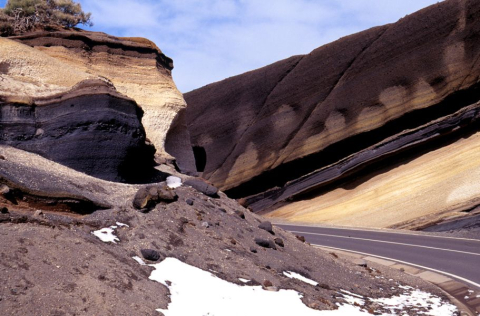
(463, 296)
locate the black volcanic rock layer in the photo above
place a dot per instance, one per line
(92, 129)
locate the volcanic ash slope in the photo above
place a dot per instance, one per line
(77, 245)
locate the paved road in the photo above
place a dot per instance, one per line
(456, 256)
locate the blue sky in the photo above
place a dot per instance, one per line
(210, 40)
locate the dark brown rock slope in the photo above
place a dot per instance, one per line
(343, 108)
(51, 264)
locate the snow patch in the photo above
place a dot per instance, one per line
(244, 280)
(352, 298)
(106, 234)
(350, 293)
(293, 275)
(434, 304)
(195, 292)
(139, 260)
(174, 182)
(121, 224)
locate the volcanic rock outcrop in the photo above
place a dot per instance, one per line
(349, 110)
(139, 70)
(70, 116)
(52, 263)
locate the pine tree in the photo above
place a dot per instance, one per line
(31, 14)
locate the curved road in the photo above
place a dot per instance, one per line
(457, 257)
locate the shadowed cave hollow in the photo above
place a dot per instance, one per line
(200, 158)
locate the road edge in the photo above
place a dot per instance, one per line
(456, 291)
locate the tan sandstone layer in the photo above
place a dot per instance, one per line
(27, 73)
(438, 185)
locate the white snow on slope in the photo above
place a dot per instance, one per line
(106, 234)
(139, 260)
(174, 182)
(352, 298)
(293, 275)
(208, 295)
(417, 298)
(195, 292)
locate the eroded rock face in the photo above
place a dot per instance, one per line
(434, 186)
(27, 73)
(139, 70)
(91, 128)
(70, 116)
(321, 118)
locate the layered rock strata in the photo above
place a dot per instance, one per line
(69, 116)
(347, 107)
(410, 144)
(439, 185)
(91, 128)
(139, 70)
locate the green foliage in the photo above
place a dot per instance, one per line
(32, 14)
(26, 6)
(68, 13)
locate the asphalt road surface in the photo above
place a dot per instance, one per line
(455, 257)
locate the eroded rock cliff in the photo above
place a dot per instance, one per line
(139, 70)
(380, 97)
(69, 116)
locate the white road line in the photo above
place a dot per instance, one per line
(404, 262)
(379, 231)
(388, 242)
